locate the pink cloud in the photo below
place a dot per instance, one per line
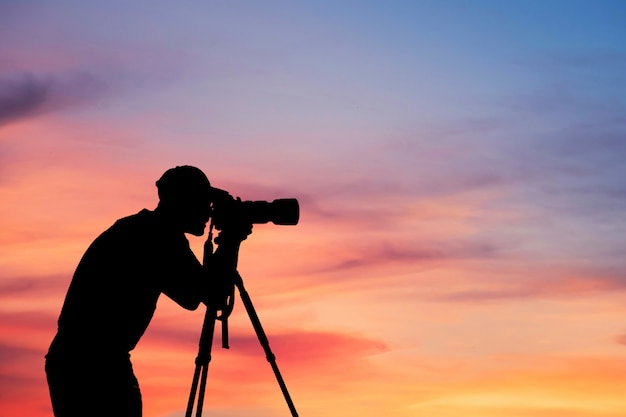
(297, 347)
(307, 360)
(621, 339)
(24, 340)
(22, 379)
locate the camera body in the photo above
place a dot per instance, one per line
(227, 210)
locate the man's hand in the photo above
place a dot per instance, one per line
(221, 289)
(234, 233)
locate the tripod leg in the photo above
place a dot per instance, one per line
(202, 362)
(194, 388)
(205, 371)
(271, 358)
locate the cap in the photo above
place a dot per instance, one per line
(183, 182)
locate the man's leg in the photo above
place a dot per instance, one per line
(94, 388)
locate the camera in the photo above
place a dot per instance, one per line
(227, 210)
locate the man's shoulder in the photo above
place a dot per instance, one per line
(143, 220)
(149, 224)
(143, 215)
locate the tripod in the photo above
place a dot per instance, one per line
(206, 338)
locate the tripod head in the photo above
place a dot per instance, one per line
(221, 266)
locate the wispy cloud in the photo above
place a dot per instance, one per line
(32, 286)
(21, 97)
(22, 379)
(25, 95)
(387, 253)
(561, 285)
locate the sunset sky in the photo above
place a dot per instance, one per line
(461, 173)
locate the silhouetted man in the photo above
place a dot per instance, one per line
(114, 292)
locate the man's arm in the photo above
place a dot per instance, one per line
(189, 283)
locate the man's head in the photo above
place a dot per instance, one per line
(185, 196)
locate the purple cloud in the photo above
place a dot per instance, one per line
(16, 286)
(26, 94)
(21, 96)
